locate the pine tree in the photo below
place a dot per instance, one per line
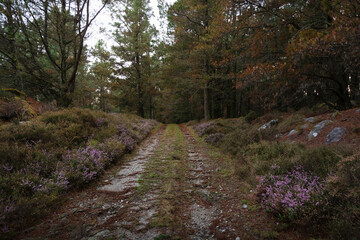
(133, 36)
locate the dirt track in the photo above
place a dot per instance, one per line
(169, 188)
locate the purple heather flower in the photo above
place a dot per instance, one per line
(7, 168)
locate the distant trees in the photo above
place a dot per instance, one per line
(262, 55)
(101, 75)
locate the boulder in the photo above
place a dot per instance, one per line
(269, 124)
(317, 129)
(335, 135)
(304, 126)
(358, 110)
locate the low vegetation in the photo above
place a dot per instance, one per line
(58, 151)
(317, 188)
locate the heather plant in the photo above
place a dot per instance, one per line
(204, 128)
(344, 192)
(214, 138)
(146, 127)
(127, 138)
(114, 147)
(6, 209)
(236, 141)
(100, 122)
(82, 165)
(43, 158)
(293, 194)
(16, 109)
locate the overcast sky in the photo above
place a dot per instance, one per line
(104, 20)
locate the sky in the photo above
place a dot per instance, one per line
(104, 20)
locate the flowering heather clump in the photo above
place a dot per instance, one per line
(126, 138)
(146, 127)
(203, 128)
(128, 141)
(99, 122)
(5, 210)
(291, 194)
(214, 138)
(82, 165)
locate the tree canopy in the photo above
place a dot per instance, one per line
(226, 57)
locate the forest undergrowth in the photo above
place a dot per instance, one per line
(58, 152)
(314, 188)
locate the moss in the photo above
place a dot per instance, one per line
(251, 116)
(13, 91)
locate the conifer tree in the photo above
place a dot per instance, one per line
(133, 36)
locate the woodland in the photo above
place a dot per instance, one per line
(257, 79)
(224, 59)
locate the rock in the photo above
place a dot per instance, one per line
(304, 126)
(358, 110)
(78, 232)
(100, 235)
(237, 238)
(278, 135)
(335, 135)
(244, 206)
(309, 120)
(269, 124)
(292, 132)
(317, 129)
(106, 206)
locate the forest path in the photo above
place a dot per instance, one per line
(173, 186)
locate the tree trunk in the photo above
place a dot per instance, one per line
(206, 101)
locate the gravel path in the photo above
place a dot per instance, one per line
(167, 189)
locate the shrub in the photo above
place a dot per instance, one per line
(290, 122)
(344, 191)
(114, 147)
(44, 157)
(250, 116)
(263, 155)
(204, 128)
(293, 195)
(320, 160)
(126, 137)
(214, 138)
(236, 141)
(82, 165)
(6, 210)
(16, 109)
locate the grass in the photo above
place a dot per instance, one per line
(166, 169)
